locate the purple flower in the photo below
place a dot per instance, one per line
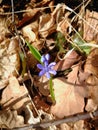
(46, 68)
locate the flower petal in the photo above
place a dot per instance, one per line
(46, 63)
(40, 66)
(43, 59)
(41, 72)
(47, 75)
(47, 57)
(52, 72)
(52, 64)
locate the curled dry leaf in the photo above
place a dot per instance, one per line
(29, 117)
(9, 58)
(14, 96)
(43, 85)
(68, 61)
(63, 25)
(31, 31)
(91, 26)
(47, 117)
(47, 24)
(28, 15)
(91, 65)
(92, 103)
(79, 125)
(3, 27)
(10, 119)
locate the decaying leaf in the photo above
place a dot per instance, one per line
(31, 31)
(91, 26)
(47, 117)
(43, 85)
(29, 117)
(10, 119)
(9, 58)
(79, 125)
(3, 27)
(68, 61)
(63, 25)
(48, 23)
(68, 100)
(91, 65)
(15, 100)
(92, 103)
(28, 15)
(14, 96)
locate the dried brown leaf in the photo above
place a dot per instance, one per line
(9, 58)
(14, 96)
(10, 119)
(3, 27)
(79, 125)
(91, 26)
(63, 25)
(43, 85)
(28, 15)
(68, 99)
(68, 61)
(31, 31)
(48, 23)
(91, 65)
(92, 103)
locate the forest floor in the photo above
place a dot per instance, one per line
(48, 65)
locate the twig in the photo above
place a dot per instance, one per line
(72, 118)
(12, 4)
(41, 8)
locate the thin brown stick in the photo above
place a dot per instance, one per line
(72, 118)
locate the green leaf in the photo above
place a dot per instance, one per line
(51, 90)
(34, 52)
(60, 41)
(79, 42)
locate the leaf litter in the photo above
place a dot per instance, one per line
(63, 33)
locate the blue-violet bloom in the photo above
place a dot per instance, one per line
(45, 67)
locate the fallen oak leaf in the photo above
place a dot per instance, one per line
(79, 125)
(68, 61)
(14, 96)
(28, 16)
(10, 119)
(68, 101)
(90, 26)
(31, 31)
(48, 23)
(9, 58)
(69, 95)
(92, 102)
(91, 65)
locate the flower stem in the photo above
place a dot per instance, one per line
(51, 89)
